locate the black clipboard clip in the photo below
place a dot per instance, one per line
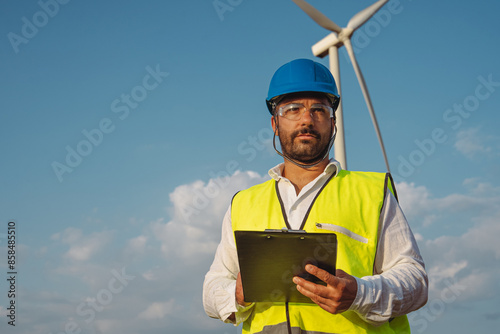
(285, 230)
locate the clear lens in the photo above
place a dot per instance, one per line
(294, 111)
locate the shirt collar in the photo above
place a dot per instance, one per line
(333, 167)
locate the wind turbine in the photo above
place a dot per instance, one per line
(330, 45)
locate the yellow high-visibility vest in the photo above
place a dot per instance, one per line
(348, 205)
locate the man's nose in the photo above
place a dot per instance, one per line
(306, 117)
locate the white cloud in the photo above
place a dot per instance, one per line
(480, 189)
(422, 208)
(455, 259)
(41, 251)
(193, 202)
(413, 199)
(109, 325)
(182, 241)
(150, 275)
(467, 256)
(137, 244)
(450, 270)
(171, 254)
(84, 247)
(198, 209)
(85, 259)
(157, 310)
(168, 258)
(68, 236)
(472, 143)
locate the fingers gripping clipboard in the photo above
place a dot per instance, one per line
(270, 259)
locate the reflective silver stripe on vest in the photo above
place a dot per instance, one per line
(282, 328)
(343, 230)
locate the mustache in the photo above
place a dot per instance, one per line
(312, 132)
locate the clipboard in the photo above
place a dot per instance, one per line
(270, 259)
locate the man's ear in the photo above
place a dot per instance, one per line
(274, 125)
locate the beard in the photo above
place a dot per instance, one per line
(304, 150)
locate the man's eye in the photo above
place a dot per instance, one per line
(318, 110)
(292, 110)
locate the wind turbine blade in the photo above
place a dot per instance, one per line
(357, 20)
(368, 100)
(317, 16)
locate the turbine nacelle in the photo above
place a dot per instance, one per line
(321, 48)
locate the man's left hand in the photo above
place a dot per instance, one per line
(338, 294)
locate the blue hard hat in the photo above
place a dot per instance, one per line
(302, 75)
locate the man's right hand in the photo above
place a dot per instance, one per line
(240, 298)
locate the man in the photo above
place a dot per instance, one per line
(380, 276)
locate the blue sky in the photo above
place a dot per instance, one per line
(126, 127)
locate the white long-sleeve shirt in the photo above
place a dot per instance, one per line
(399, 283)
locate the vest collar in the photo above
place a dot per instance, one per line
(333, 168)
(283, 211)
